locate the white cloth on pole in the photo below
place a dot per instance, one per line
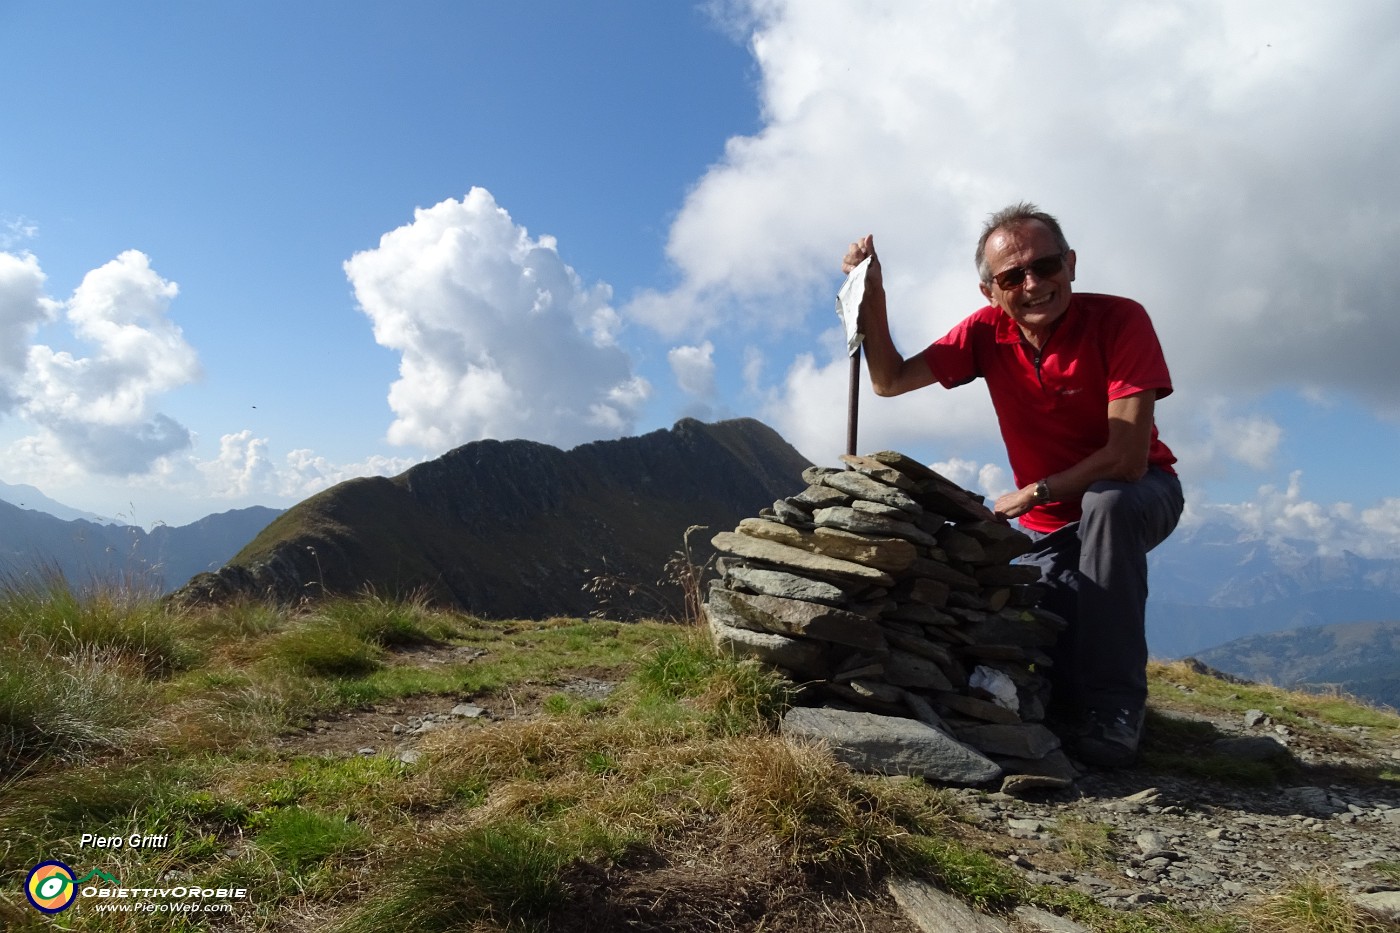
(848, 306)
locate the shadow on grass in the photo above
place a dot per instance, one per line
(1197, 749)
(1193, 748)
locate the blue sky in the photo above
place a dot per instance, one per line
(252, 249)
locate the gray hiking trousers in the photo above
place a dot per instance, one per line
(1096, 572)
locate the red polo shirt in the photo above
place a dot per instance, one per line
(1053, 407)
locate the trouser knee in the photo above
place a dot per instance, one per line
(1106, 500)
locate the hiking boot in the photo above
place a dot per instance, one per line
(1069, 725)
(1111, 739)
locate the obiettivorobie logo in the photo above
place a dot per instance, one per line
(51, 886)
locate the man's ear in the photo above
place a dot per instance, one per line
(987, 290)
(1069, 264)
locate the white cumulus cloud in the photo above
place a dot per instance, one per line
(99, 410)
(1213, 433)
(499, 337)
(1288, 515)
(23, 307)
(1287, 518)
(245, 469)
(694, 369)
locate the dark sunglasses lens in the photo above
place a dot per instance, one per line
(1044, 267)
(1011, 278)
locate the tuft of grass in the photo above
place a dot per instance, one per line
(981, 879)
(802, 798)
(347, 785)
(323, 651)
(1085, 842)
(1312, 906)
(346, 638)
(676, 670)
(244, 617)
(67, 707)
(821, 814)
(564, 705)
(502, 872)
(205, 808)
(1154, 918)
(745, 696)
(44, 814)
(735, 697)
(229, 709)
(297, 837)
(76, 669)
(386, 623)
(44, 614)
(1389, 870)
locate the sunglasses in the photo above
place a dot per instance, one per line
(1044, 268)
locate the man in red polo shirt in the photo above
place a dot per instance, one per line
(1074, 379)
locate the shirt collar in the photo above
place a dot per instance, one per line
(1008, 332)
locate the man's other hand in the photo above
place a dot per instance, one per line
(1015, 504)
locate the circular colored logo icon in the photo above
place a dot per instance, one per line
(50, 887)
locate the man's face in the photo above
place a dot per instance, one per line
(1038, 302)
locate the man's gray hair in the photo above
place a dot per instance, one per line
(1013, 216)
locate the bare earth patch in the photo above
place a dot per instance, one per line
(394, 728)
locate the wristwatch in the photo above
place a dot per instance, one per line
(1042, 491)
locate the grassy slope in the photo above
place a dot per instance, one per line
(121, 716)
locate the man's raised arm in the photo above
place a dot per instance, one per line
(890, 372)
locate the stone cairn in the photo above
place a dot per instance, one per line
(888, 592)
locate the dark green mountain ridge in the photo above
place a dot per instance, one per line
(515, 528)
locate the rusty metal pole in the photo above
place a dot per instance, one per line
(853, 403)
(848, 302)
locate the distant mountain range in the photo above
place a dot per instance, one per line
(27, 497)
(1275, 612)
(86, 552)
(1213, 584)
(1358, 658)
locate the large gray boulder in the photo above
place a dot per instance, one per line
(890, 745)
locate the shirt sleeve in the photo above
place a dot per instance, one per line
(1135, 359)
(953, 358)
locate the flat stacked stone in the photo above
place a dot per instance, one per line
(887, 589)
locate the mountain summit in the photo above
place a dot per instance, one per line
(515, 528)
